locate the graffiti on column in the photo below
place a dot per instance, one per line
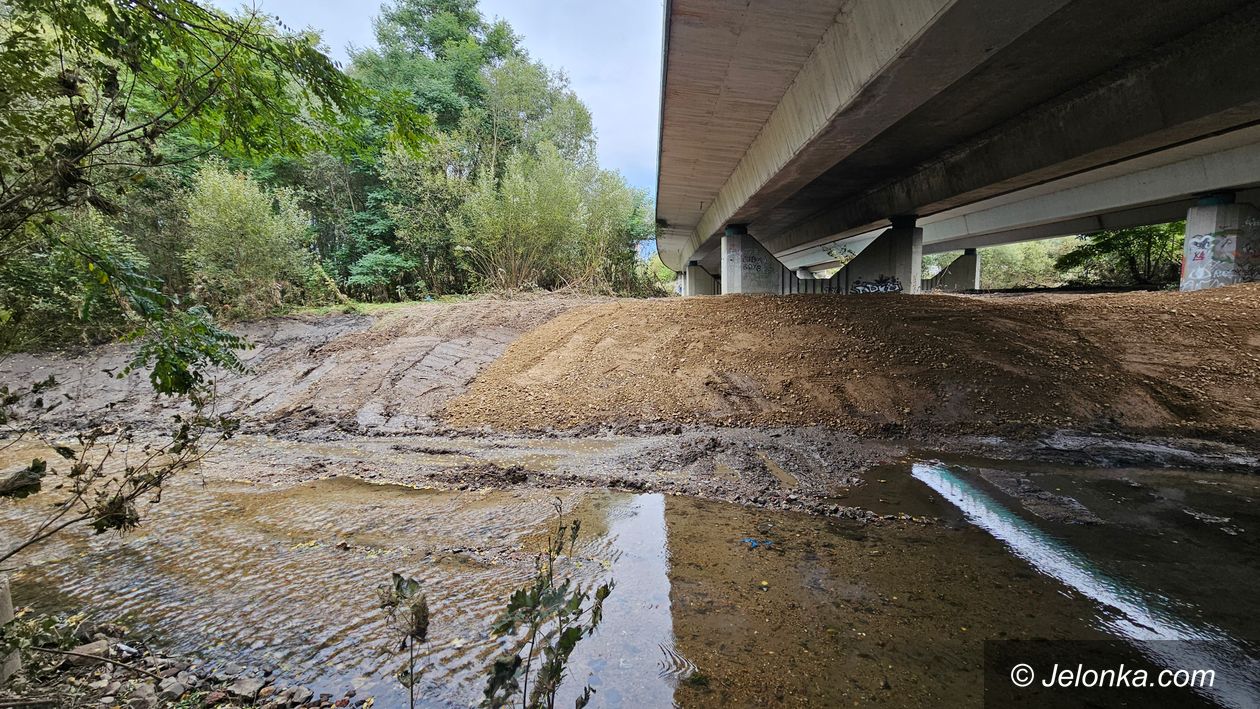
(1221, 258)
(755, 263)
(883, 284)
(1247, 256)
(841, 254)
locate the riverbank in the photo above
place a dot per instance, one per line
(433, 440)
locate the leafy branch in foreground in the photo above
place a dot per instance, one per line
(408, 610)
(105, 473)
(552, 613)
(555, 614)
(94, 87)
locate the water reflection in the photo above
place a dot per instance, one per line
(1142, 618)
(631, 661)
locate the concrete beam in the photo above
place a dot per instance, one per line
(877, 63)
(1201, 84)
(1152, 189)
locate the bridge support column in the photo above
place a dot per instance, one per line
(963, 273)
(1222, 243)
(747, 267)
(892, 263)
(697, 281)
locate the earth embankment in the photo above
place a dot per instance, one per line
(386, 373)
(1161, 363)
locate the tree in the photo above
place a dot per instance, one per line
(431, 190)
(434, 51)
(249, 250)
(50, 293)
(1142, 256)
(552, 223)
(91, 88)
(95, 92)
(1028, 264)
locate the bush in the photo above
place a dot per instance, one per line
(380, 276)
(552, 223)
(51, 291)
(1139, 256)
(249, 252)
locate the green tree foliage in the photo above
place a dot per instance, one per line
(51, 292)
(431, 189)
(249, 250)
(96, 93)
(1140, 256)
(1029, 264)
(552, 223)
(659, 272)
(434, 51)
(118, 107)
(92, 87)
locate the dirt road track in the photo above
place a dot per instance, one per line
(1159, 363)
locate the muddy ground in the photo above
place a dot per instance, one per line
(1117, 421)
(1181, 364)
(763, 401)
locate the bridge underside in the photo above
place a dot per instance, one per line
(989, 121)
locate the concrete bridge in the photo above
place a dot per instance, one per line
(802, 137)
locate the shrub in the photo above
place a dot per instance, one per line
(248, 254)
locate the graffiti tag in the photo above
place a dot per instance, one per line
(883, 284)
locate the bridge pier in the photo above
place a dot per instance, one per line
(892, 263)
(747, 267)
(697, 281)
(1222, 243)
(963, 273)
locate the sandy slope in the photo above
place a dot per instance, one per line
(1150, 362)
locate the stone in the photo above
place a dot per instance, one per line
(92, 650)
(246, 687)
(214, 697)
(171, 689)
(143, 696)
(301, 695)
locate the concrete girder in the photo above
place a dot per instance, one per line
(1145, 190)
(1201, 84)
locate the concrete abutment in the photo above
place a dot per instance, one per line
(962, 274)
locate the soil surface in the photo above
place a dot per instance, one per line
(1153, 363)
(383, 374)
(780, 405)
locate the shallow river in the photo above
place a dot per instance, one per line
(715, 604)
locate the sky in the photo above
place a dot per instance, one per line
(611, 50)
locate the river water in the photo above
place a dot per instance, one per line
(715, 604)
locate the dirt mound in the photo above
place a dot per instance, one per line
(386, 373)
(1143, 362)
